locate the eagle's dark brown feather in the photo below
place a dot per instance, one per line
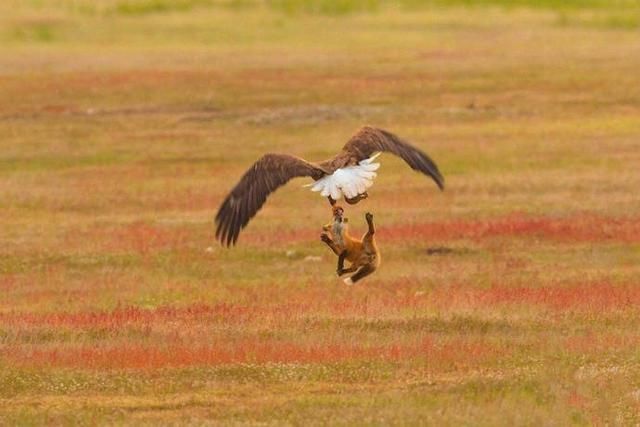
(247, 197)
(370, 140)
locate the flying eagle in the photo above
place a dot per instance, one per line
(348, 174)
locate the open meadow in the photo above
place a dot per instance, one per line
(511, 298)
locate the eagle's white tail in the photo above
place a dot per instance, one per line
(350, 181)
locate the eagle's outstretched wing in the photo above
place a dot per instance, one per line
(370, 140)
(247, 197)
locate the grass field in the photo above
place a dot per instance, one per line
(511, 298)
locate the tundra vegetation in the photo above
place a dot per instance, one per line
(511, 298)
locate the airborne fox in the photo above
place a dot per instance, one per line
(363, 254)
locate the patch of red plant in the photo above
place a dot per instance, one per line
(577, 400)
(133, 315)
(299, 306)
(590, 343)
(138, 237)
(582, 228)
(594, 297)
(134, 356)
(7, 282)
(388, 300)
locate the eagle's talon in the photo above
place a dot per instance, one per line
(356, 199)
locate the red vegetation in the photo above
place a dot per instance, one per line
(132, 315)
(576, 400)
(576, 228)
(7, 282)
(199, 334)
(142, 238)
(591, 296)
(400, 297)
(596, 344)
(134, 356)
(138, 237)
(594, 296)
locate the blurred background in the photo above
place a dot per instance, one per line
(511, 297)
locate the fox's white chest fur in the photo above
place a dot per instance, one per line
(350, 181)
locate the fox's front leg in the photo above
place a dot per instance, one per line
(326, 239)
(362, 273)
(341, 258)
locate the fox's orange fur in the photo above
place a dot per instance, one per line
(363, 254)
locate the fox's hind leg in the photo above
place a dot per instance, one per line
(360, 274)
(369, 217)
(367, 239)
(341, 270)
